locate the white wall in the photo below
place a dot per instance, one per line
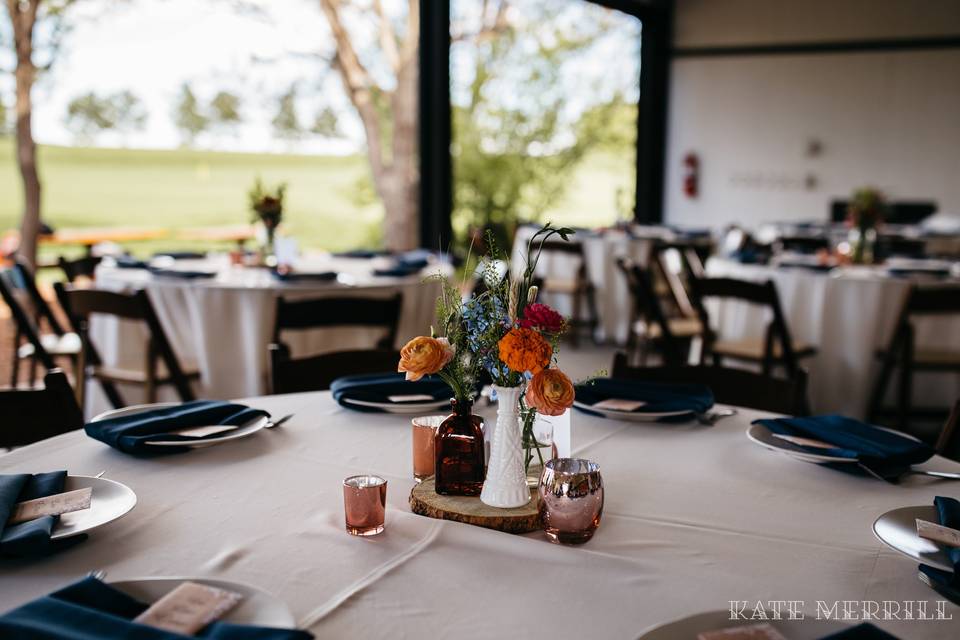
(889, 119)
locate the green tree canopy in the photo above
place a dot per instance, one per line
(89, 114)
(285, 122)
(225, 108)
(187, 115)
(326, 124)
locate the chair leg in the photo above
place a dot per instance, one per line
(592, 310)
(151, 373)
(575, 320)
(33, 370)
(906, 386)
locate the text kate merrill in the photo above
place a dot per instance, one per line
(840, 610)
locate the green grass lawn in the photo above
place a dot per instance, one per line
(89, 187)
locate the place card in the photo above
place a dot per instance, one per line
(619, 404)
(203, 432)
(413, 397)
(189, 608)
(746, 632)
(54, 505)
(805, 442)
(938, 533)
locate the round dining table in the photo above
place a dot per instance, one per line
(222, 325)
(849, 314)
(695, 517)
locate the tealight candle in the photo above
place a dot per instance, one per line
(364, 504)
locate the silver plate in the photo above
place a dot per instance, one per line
(109, 501)
(762, 436)
(240, 432)
(898, 530)
(258, 607)
(687, 628)
(632, 416)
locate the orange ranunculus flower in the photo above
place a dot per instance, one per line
(525, 350)
(423, 356)
(550, 392)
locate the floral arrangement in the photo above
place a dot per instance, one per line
(267, 206)
(866, 208)
(503, 333)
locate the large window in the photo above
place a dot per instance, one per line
(544, 113)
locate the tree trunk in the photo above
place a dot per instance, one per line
(23, 17)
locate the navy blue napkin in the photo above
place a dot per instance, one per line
(945, 582)
(185, 274)
(378, 387)
(128, 262)
(181, 255)
(305, 276)
(30, 538)
(365, 254)
(882, 450)
(400, 270)
(864, 631)
(92, 610)
(659, 397)
(130, 433)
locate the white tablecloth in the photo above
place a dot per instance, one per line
(847, 314)
(222, 326)
(694, 517)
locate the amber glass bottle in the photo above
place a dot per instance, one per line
(459, 449)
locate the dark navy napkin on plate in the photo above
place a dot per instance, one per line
(364, 254)
(127, 262)
(130, 433)
(864, 631)
(91, 610)
(31, 538)
(881, 449)
(305, 276)
(181, 255)
(378, 387)
(944, 582)
(399, 270)
(659, 397)
(185, 274)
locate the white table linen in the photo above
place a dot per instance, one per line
(694, 517)
(848, 314)
(222, 325)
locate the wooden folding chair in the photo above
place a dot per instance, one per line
(36, 414)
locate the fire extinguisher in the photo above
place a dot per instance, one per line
(691, 175)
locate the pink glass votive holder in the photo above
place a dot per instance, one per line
(571, 500)
(364, 504)
(424, 433)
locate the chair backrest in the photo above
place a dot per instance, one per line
(762, 294)
(730, 386)
(36, 414)
(27, 327)
(80, 304)
(28, 280)
(321, 313)
(316, 373)
(84, 267)
(647, 305)
(933, 300)
(948, 444)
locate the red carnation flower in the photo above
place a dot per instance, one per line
(540, 316)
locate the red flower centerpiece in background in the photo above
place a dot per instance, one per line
(542, 317)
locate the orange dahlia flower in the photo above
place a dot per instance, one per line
(550, 392)
(423, 356)
(525, 350)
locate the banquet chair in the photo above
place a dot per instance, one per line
(901, 354)
(316, 373)
(29, 310)
(775, 348)
(39, 413)
(729, 386)
(650, 324)
(321, 313)
(74, 270)
(948, 443)
(579, 288)
(160, 366)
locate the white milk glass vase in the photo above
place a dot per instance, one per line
(506, 483)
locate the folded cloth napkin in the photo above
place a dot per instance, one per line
(127, 262)
(30, 538)
(181, 255)
(186, 274)
(399, 270)
(305, 276)
(864, 631)
(887, 452)
(130, 433)
(659, 397)
(378, 387)
(91, 610)
(362, 253)
(945, 582)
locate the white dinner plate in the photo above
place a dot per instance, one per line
(242, 431)
(632, 416)
(401, 407)
(258, 607)
(109, 501)
(687, 628)
(898, 530)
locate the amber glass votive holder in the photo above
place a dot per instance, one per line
(571, 500)
(364, 504)
(424, 433)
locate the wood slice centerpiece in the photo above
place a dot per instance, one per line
(425, 501)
